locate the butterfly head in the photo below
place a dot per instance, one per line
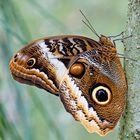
(104, 40)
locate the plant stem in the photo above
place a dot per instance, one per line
(130, 124)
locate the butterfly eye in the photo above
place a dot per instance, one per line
(77, 69)
(31, 62)
(101, 95)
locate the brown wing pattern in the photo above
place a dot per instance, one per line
(86, 74)
(50, 65)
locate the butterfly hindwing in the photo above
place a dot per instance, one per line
(96, 97)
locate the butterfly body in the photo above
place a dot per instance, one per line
(87, 76)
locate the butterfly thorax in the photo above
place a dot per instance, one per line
(106, 49)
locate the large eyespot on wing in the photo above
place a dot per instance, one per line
(101, 95)
(97, 97)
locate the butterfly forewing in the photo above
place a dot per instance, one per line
(52, 56)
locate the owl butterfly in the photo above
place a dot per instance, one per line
(86, 74)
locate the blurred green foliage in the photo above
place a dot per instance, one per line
(28, 113)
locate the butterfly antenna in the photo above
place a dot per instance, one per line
(88, 24)
(89, 27)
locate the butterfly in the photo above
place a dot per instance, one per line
(85, 74)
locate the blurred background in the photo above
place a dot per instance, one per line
(29, 113)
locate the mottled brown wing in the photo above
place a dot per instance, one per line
(96, 95)
(86, 74)
(44, 62)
